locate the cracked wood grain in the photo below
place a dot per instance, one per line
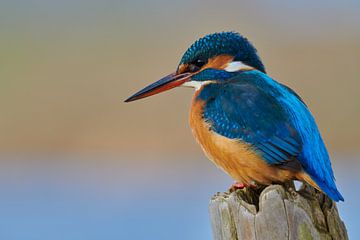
(275, 212)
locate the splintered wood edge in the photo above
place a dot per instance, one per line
(277, 212)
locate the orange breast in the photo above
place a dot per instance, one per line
(236, 158)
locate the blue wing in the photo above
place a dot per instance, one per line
(242, 110)
(274, 120)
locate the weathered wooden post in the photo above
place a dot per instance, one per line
(275, 212)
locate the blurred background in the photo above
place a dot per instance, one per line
(78, 163)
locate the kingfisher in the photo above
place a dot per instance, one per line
(257, 130)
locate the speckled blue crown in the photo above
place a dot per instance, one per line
(231, 43)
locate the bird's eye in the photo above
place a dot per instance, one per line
(196, 65)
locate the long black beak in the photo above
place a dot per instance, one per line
(170, 81)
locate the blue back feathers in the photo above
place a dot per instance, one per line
(230, 43)
(252, 107)
(243, 110)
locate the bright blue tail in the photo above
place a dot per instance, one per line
(331, 191)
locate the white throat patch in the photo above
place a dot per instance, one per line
(196, 84)
(237, 66)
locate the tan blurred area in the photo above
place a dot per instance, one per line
(65, 69)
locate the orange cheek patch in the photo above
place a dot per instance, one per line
(182, 68)
(219, 62)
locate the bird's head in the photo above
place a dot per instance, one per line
(212, 58)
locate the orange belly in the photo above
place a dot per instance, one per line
(236, 158)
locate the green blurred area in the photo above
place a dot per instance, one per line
(67, 66)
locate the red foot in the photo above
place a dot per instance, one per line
(238, 185)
